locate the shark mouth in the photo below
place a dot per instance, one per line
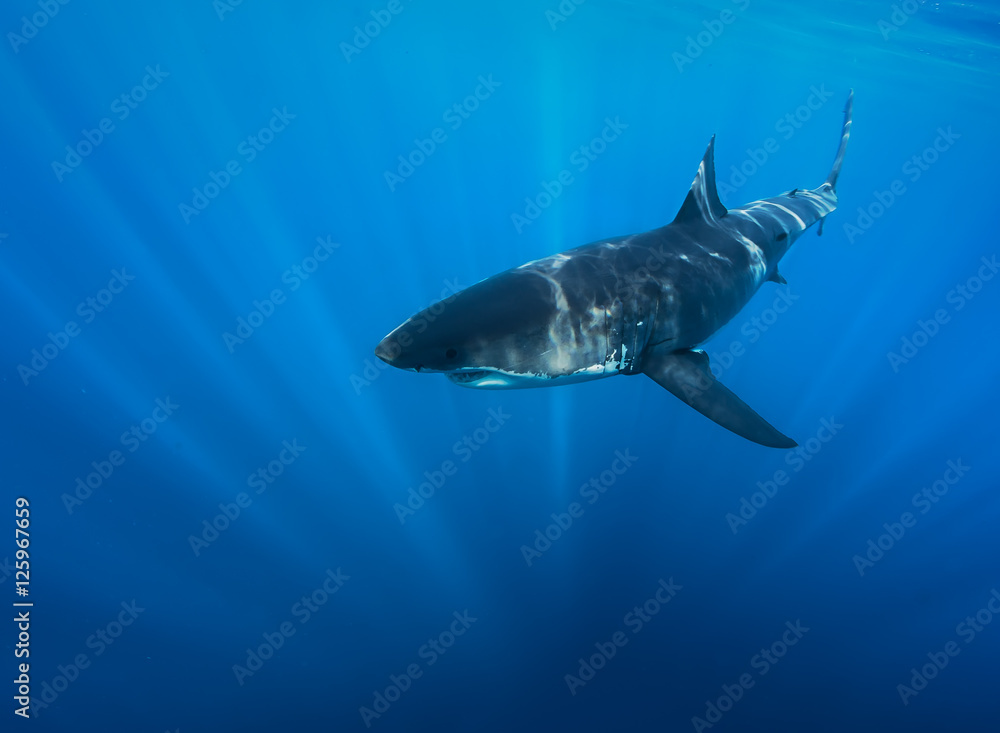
(495, 379)
(488, 379)
(491, 378)
(466, 376)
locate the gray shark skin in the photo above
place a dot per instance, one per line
(633, 304)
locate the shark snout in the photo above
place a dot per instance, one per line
(387, 350)
(391, 351)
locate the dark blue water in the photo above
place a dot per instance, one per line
(206, 229)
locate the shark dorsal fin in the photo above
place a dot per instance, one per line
(702, 202)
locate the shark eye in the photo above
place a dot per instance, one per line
(782, 236)
(451, 353)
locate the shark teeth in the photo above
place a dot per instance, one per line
(466, 376)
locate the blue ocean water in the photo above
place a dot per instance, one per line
(240, 520)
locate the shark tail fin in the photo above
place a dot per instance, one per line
(844, 136)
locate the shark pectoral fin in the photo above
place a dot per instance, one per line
(686, 375)
(777, 278)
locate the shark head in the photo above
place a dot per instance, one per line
(493, 335)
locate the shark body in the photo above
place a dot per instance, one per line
(635, 304)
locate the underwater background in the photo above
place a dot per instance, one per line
(241, 520)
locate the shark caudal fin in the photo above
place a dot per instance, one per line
(844, 136)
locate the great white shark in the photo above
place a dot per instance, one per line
(631, 304)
